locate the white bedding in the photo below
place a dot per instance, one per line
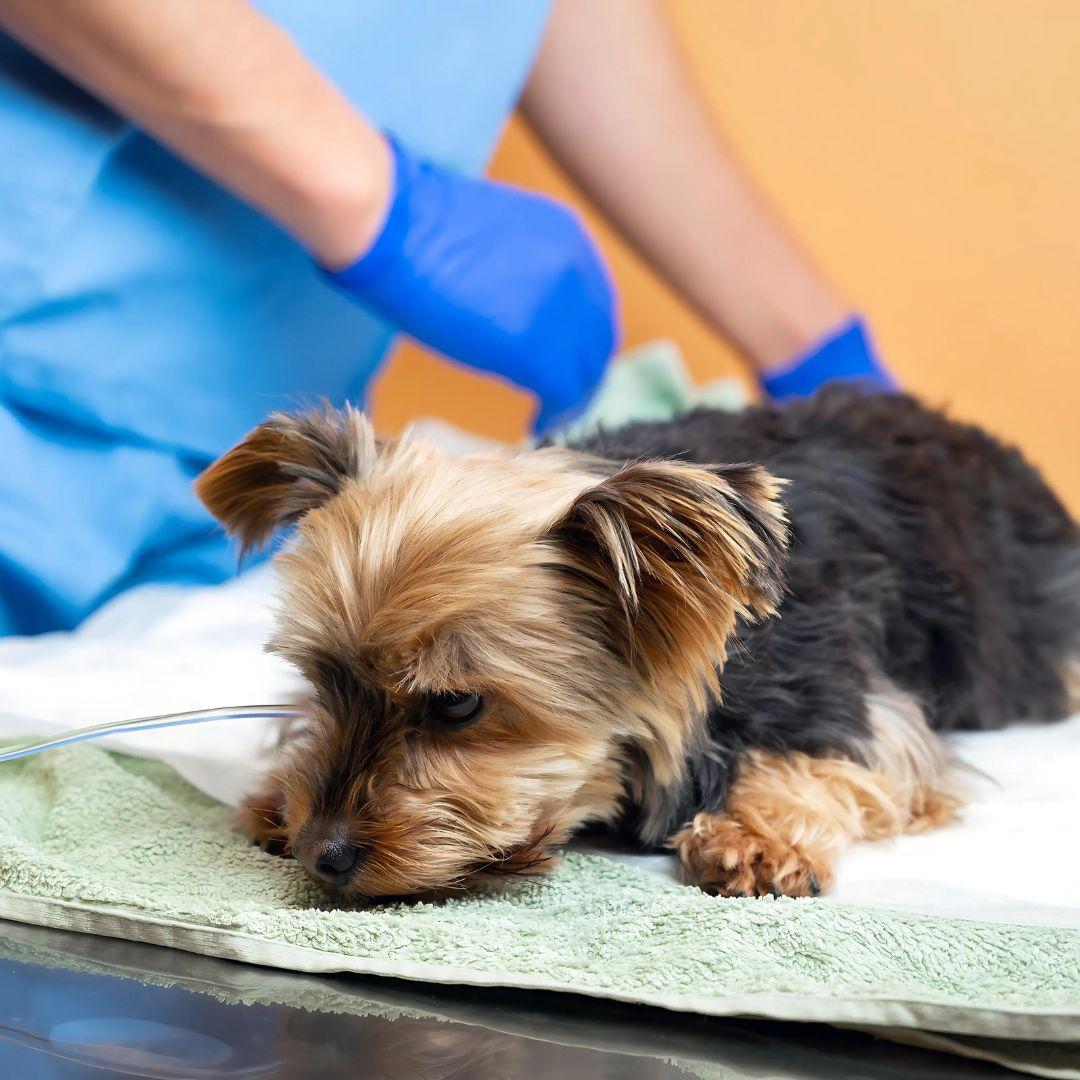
(1015, 856)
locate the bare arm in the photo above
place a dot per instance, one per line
(609, 98)
(229, 92)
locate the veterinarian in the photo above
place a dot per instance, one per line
(209, 210)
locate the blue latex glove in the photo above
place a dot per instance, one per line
(846, 354)
(500, 279)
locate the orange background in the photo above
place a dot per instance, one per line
(926, 153)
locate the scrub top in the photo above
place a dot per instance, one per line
(148, 319)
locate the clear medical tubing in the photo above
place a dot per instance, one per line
(149, 723)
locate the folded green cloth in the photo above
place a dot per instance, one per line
(651, 383)
(124, 847)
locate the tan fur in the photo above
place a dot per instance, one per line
(589, 604)
(789, 817)
(284, 468)
(1072, 684)
(262, 818)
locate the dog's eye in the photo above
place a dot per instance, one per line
(455, 708)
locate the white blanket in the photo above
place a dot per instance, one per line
(1014, 857)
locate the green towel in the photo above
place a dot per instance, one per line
(651, 383)
(120, 846)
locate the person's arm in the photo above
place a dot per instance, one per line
(229, 92)
(500, 279)
(610, 98)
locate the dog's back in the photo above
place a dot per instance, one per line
(924, 551)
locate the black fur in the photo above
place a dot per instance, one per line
(923, 550)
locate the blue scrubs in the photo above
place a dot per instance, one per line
(148, 319)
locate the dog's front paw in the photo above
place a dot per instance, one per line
(261, 817)
(725, 858)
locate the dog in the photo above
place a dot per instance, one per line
(739, 636)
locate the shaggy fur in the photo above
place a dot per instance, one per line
(746, 662)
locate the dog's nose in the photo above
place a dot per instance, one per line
(334, 860)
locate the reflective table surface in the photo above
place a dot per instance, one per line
(72, 1005)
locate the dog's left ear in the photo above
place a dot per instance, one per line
(675, 553)
(287, 466)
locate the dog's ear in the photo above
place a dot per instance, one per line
(287, 466)
(676, 553)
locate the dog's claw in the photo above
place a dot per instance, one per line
(775, 891)
(815, 885)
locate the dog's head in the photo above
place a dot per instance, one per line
(499, 646)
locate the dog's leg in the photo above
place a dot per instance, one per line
(261, 817)
(788, 817)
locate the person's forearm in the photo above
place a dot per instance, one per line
(609, 98)
(229, 92)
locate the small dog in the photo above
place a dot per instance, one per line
(748, 663)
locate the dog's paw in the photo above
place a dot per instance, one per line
(723, 857)
(261, 817)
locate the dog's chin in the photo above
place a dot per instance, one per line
(359, 895)
(372, 892)
(457, 875)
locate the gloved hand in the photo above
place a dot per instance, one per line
(846, 354)
(500, 279)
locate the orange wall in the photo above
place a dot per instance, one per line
(927, 153)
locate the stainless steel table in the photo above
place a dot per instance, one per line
(73, 1006)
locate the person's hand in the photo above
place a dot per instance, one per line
(847, 355)
(500, 279)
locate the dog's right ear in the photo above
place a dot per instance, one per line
(673, 554)
(287, 466)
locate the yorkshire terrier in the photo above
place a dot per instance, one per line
(751, 664)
